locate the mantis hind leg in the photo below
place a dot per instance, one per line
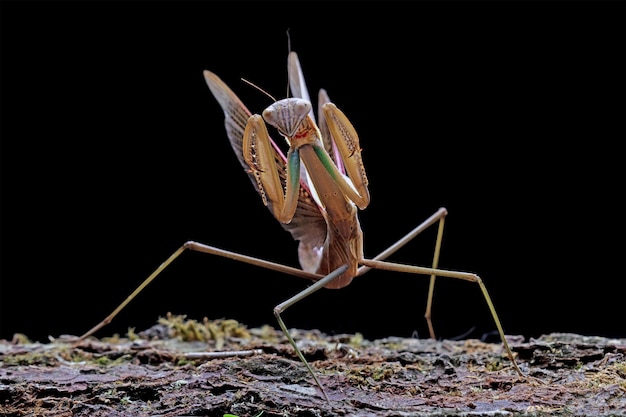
(466, 276)
(199, 247)
(378, 262)
(320, 282)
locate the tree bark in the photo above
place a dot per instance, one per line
(172, 370)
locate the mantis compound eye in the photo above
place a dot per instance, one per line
(301, 107)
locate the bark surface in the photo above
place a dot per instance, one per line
(172, 369)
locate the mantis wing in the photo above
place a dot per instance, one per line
(299, 89)
(308, 225)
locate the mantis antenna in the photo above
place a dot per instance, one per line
(250, 83)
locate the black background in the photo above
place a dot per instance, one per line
(509, 114)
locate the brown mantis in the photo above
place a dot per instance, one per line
(315, 192)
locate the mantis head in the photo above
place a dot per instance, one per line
(287, 115)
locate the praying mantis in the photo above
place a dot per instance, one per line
(315, 191)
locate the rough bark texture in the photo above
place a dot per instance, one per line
(167, 371)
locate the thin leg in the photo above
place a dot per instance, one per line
(298, 297)
(431, 287)
(389, 266)
(438, 216)
(199, 247)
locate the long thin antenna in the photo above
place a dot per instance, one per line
(288, 41)
(288, 64)
(288, 59)
(258, 88)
